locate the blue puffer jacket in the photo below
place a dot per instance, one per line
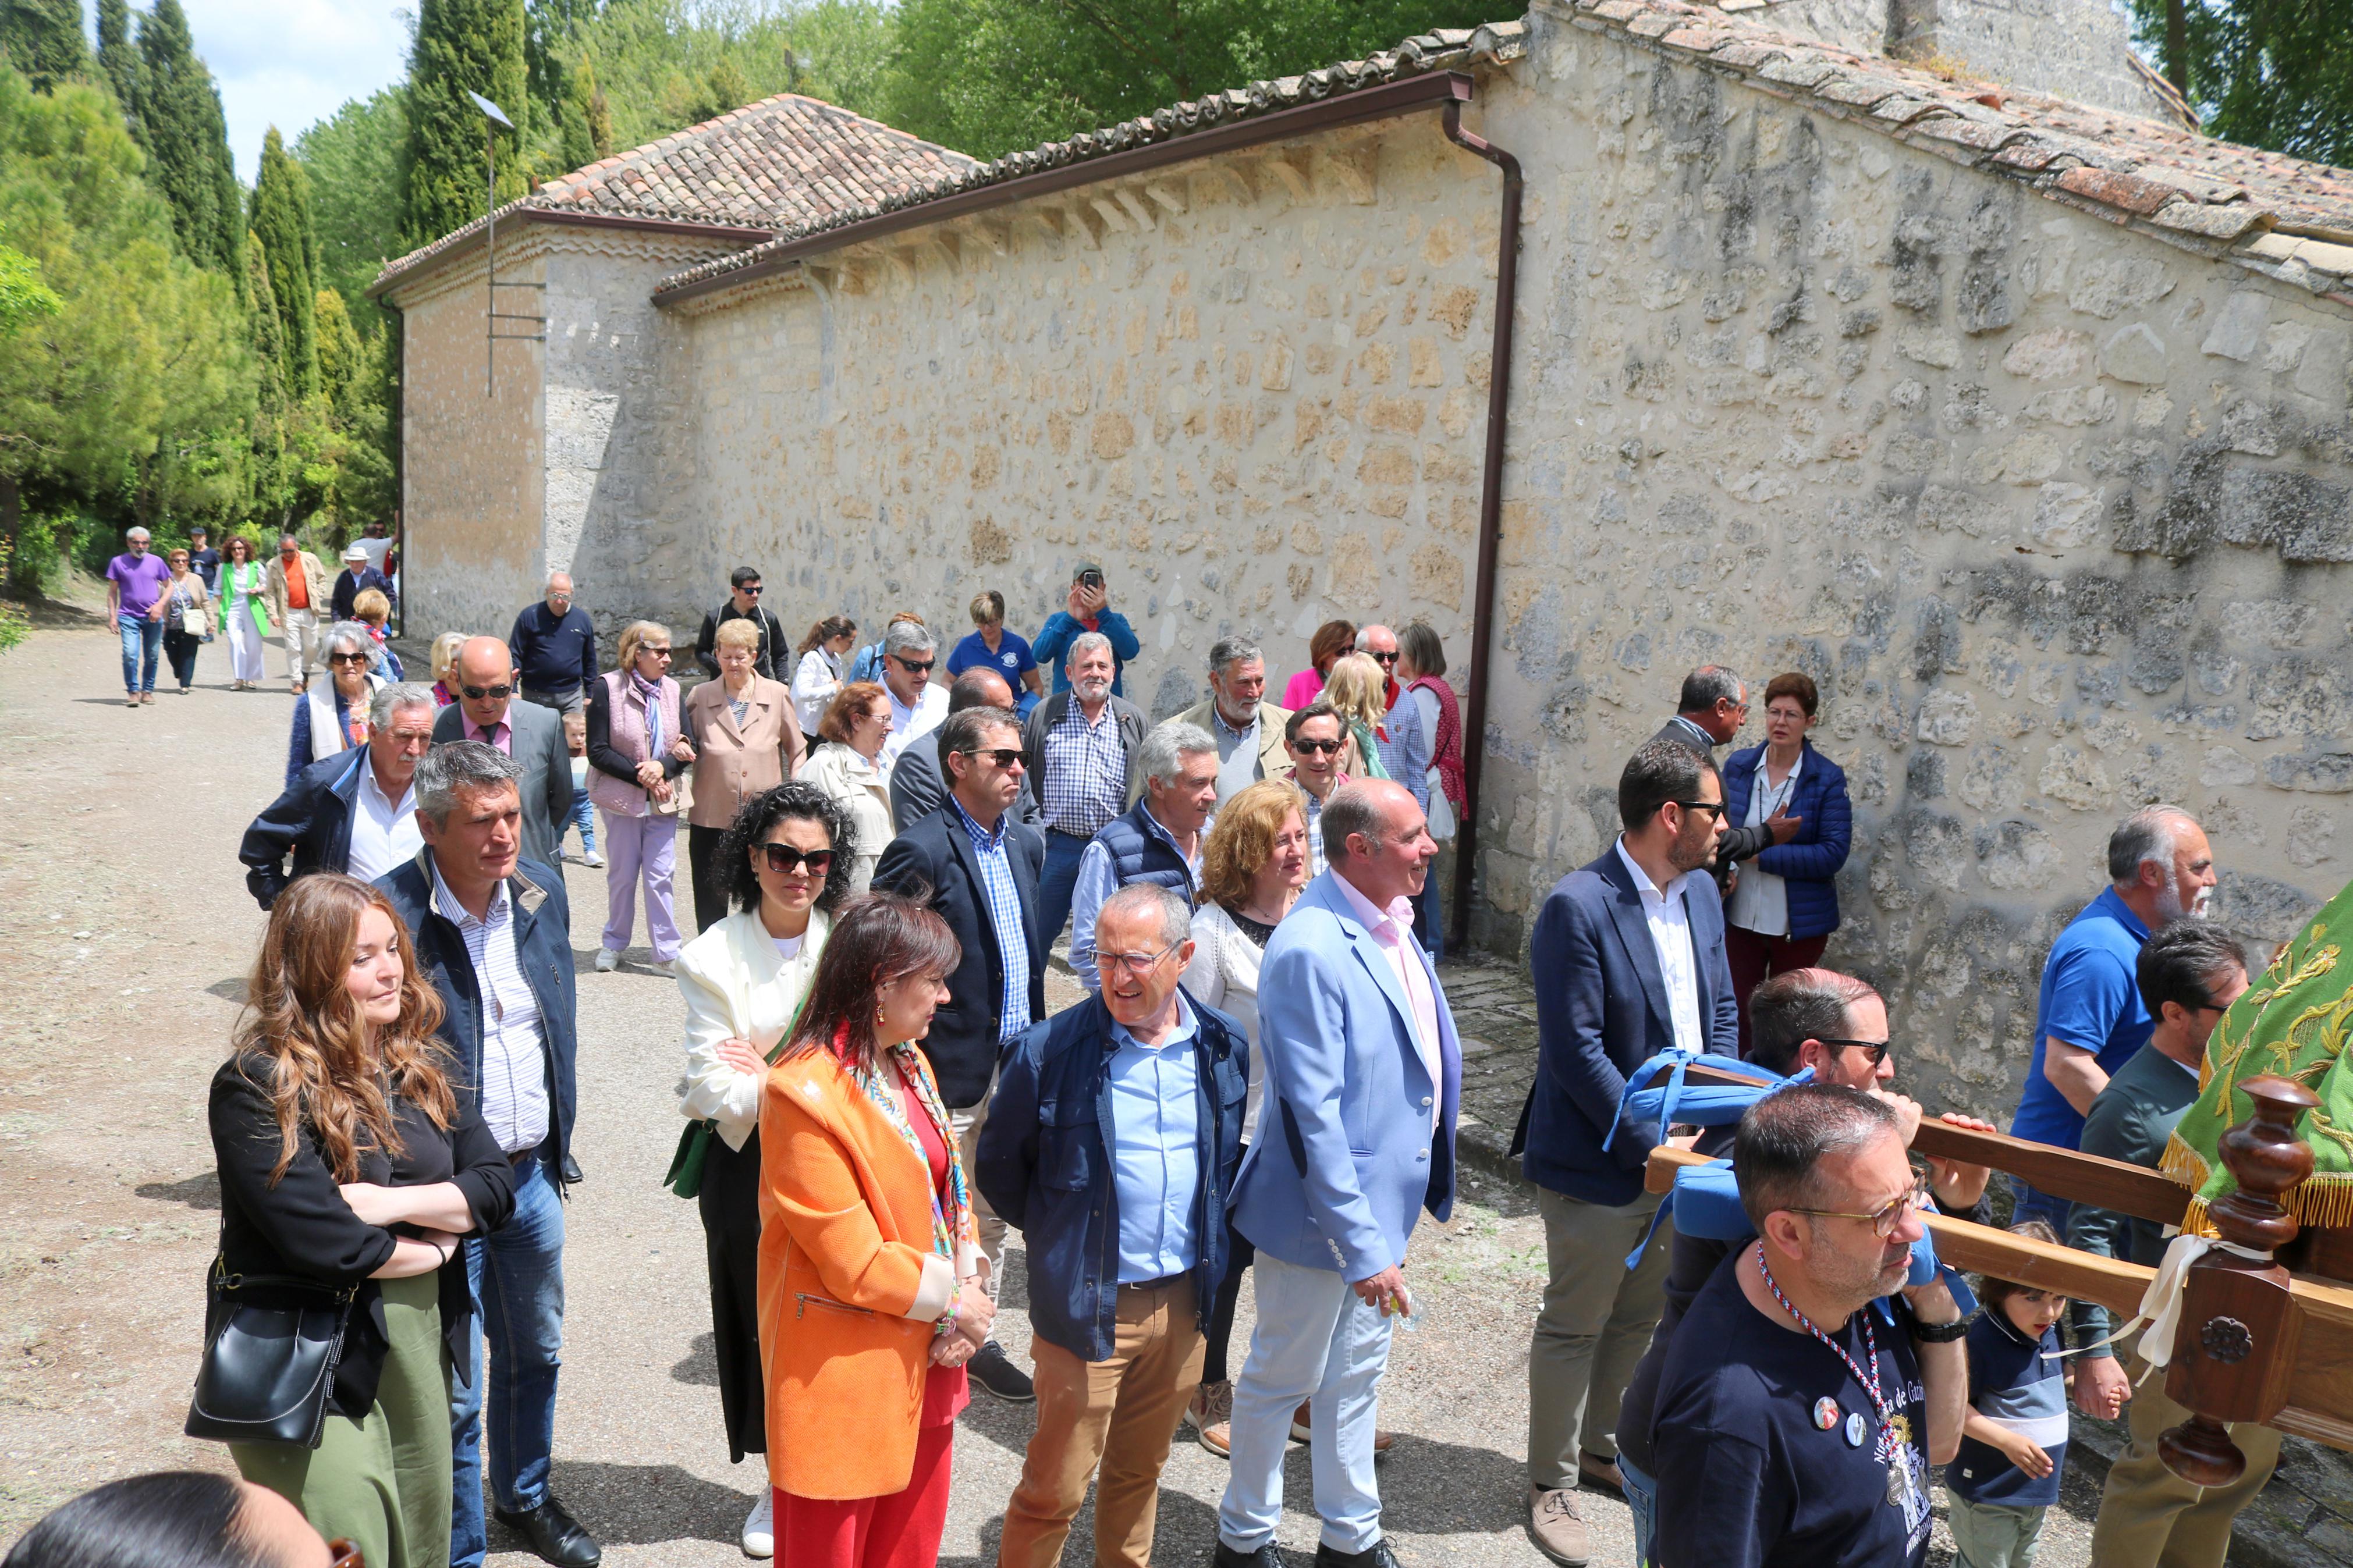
(1809, 861)
(1046, 1165)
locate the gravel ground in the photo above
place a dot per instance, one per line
(125, 935)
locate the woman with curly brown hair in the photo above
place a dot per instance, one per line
(349, 1161)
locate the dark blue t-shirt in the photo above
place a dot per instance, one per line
(1748, 1477)
(1012, 658)
(2013, 1383)
(2091, 999)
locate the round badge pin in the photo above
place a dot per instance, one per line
(1854, 1431)
(1826, 1413)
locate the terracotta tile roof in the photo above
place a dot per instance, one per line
(1450, 48)
(782, 160)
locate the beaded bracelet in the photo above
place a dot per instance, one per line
(947, 1322)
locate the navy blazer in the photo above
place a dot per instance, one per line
(1812, 859)
(313, 820)
(543, 918)
(1046, 1164)
(1601, 1011)
(933, 860)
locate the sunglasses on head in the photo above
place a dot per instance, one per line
(1321, 748)
(496, 693)
(784, 858)
(1003, 756)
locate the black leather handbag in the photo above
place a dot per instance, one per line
(270, 1368)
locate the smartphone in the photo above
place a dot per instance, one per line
(1091, 580)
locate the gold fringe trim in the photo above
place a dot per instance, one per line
(2326, 1201)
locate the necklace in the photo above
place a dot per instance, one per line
(1886, 1449)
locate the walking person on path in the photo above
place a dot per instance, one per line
(203, 557)
(638, 747)
(1315, 738)
(187, 623)
(356, 578)
(555, 649)
(138, 586)
(353, 1154)
(1007, 653)
(245, 613)
(786, 862)
(1332, 639)
(334, 718)
(1420, 672)
(873, 1291)
(746, 743)
(299, 591)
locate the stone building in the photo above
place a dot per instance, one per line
(2020, 424)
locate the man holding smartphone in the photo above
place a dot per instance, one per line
(1089, 610)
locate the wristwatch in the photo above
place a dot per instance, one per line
(1939, 1333)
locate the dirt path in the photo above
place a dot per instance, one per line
(125, 931)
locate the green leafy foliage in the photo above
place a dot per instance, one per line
(462, 46)
(2270, 73)
(281, 225)
(120, 63)
(354, 163)
(23, 296)
(183, 130)
(43, 39)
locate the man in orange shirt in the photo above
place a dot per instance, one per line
(298, 593)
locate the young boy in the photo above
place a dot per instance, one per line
(2014, 1438)
(583, 815)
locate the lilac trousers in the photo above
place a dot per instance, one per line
(641, 848)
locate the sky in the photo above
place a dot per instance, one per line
(291, 63)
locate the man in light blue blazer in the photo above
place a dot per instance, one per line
(1363, 1074)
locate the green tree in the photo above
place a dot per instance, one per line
(2270, 73)
(180, 110)
(339, 351)
(990, 76)
(119, 63)
(352, 161)
(268, 329)
(43, 39)
(282, 222)
(462, 46)
(24, 298)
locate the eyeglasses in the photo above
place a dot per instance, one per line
(347, 658)
(1884, 1220)
(1135, 963)
(1875, 1049)
(661, 652)
(912, 667)
(784, 858)
(1715, 808)
(495, 693)
(1321, 748)
(1003, 756)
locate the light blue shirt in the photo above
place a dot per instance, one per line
(1156, 1117)
(1098, 880)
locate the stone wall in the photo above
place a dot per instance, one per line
(2054, 511)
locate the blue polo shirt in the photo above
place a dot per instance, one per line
(2091, 999)
(1012, 658)
(2014, 1382)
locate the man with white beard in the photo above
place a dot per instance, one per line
(2090, 1019)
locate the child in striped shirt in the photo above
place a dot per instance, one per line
(2014, 1437)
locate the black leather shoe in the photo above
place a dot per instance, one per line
(571, 1172)
(1377, 1556)
(995, 1372)
(554, 1535)
(1265, 1556)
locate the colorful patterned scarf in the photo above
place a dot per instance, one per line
(2292, 1023)
(951, 1222)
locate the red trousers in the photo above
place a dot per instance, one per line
(902, 1531)
(1754, 959)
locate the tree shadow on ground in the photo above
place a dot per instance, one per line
(700, 1365)
(644, 1505)
(201, 1191)
(57, 614)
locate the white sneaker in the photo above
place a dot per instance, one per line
(608, 961)
(592, 858)
(662, 967)
(760, 1529)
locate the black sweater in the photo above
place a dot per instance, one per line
(303, 1227)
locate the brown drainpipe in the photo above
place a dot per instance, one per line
(1491, 508)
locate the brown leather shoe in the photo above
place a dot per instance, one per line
(1603, 1475)
(1301, 1427)
(1558, 1529)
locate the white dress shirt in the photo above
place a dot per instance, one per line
(1760, 900)
(383, 832)
(514, 1052)
(909, 724)
(1392, 929)
(1664, 912)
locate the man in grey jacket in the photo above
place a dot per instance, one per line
(491, 709)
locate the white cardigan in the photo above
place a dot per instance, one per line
(1224, 975)
(737, 987)
(864, 790)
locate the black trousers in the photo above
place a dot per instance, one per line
(730, 1201)
(1239, 1255)
(181, 649)
(710, 878)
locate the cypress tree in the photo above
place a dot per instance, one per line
(269, 335)
(340, 353)
(462, 46)
(281, 221)
(119, 63)
(43, 39)
(188, 139)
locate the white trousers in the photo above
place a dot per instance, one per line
(243, 646)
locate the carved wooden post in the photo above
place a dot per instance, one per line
(2236, 1347)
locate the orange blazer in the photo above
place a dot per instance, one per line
(850, 1287)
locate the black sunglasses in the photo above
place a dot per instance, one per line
(753, 589)
(347, 658)
(496, 693)
(1875, 1049)
(1714, 806)
(1003, 756)
(1382, 658)
(784, 857)
(912, 667)
(1321, 748)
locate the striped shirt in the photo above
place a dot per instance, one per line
(1004, 914)
(515, 1054)
(1086, 773)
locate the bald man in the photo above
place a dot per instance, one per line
(491, 709)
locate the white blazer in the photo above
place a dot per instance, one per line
(1224, 975)
(737, 986)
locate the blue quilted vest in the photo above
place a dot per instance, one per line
(1141, 852)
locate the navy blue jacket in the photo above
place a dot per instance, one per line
(1045, 1165)
(933, 860)
(1601, 1011)
(1812, 859)
(544, 948)
(551, 653)
(350, 585)
(313, 820)
(1141, 852)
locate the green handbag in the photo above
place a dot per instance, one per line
(685, 1175)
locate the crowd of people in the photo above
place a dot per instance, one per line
(1263, 1076)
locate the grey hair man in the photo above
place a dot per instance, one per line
(1247, 727)
(917, 705)
(354, 812)
(1156, 840)
(1709, 711)
(1078, 747)
(494, 935)
(2090, 1020)
(555, 649)
(299, 591)
(138, 594)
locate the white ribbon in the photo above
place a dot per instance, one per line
(2160, 1305)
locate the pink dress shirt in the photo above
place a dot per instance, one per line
(1392, 929)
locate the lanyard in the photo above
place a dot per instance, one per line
(1869, 1382)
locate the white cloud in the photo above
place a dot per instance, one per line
(291, 63)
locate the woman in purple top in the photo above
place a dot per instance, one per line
(138, 587)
